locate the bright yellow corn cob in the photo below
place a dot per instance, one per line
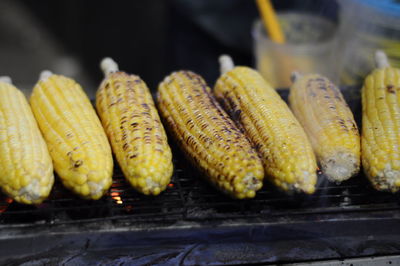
(381, 126)
(329, 123)
(208, 136)
(26, 168)
(74, 135)
(286, 153)
(134, 129)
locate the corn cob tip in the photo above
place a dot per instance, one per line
(32, 193)
(108, 66)
(253, 184)
(152, 187)
(45, 74)
(295, 76)
(226, 63)
(305, 182)
(340, 167)
(386, 180)
(98, 186)
(381, 59)
(6, 79)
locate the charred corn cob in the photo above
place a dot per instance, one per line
(134, 129)
(208, 136)
(27, 170)
(329, 123)
(286, 153)
(74, 135)
(380, 141)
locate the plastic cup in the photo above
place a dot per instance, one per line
(366, 26)
(308, 48)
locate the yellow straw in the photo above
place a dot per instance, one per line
(270, 21)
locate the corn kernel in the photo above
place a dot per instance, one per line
(329, 123)
(24, 158)
(136, 134)
(208, 134)
(380, 133)
(250, 194)
(74, 136)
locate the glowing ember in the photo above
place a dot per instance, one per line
(117, 184)
(4, 207)
(319, 170)
(116, 197)
(170, 185)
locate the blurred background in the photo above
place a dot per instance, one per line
(150, 38)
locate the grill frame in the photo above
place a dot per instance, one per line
(192, 211)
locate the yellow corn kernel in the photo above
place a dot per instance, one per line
(380, 141)
(208, 136)
(74, 135)
(329, 123)
(286, 153)
(137, 137)
(26, 167)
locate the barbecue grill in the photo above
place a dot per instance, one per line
(191, 223)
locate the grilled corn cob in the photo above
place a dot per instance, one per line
(26, 167)
(381, 126)
(286, 153)
(134, 129)
(208, 136)
(329, 123)
(76, 141)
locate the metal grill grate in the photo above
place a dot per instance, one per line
(189, 198)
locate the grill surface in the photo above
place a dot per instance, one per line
(189, 197)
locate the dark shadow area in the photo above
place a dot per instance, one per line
(150, 38)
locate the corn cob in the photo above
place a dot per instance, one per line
(381, 126)
(134, 129)
(329, 123)
(27, 170)
(208, 136)
(74, 135)
(287, 155)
